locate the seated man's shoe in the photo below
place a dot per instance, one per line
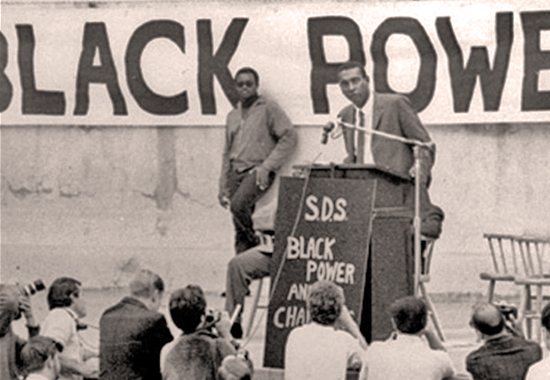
(236, 330)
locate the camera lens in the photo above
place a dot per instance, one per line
(33, 287)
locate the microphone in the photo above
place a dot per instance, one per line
(327, 128)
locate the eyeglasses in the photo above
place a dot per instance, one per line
(247, 83)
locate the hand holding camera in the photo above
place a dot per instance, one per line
(25, 306)
(220, 321)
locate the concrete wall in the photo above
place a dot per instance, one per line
(98, 203)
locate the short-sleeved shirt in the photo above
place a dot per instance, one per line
(314, 351)
(406, 357)
(539, 371)
(60, 325)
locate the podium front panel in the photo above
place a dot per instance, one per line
(321, 233)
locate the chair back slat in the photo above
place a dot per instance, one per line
(502, 255)
(493, 255)
(514, 258)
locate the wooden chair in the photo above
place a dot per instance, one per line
(521, 260)
(427, 252)
(534, 253)
(506, 260)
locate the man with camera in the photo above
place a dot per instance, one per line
(62, 324)
(14, 302)
(206, 340)
(132, 332)
(505, 354)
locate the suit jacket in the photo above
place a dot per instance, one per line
(131, 337)
(392, 114)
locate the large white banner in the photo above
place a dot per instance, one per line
(168, 63)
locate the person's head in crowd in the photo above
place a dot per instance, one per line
(188, 308)
(247, 82)
(9, 306)
(236, 367)
(487, 320)
(148, 287)
(354, 82)
(545, 322)
(409, 315)
(40, 356)
(66, 292)
(325, 302)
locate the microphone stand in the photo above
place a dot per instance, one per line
(416, 220)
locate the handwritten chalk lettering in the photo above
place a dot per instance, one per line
(296, 248)
(330, 211)
(298, 292)
(290, 316)
(339, 272)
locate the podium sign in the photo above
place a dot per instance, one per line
(330, 243)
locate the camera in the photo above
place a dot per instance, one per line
(211, 318)
(33, 287)
(508, 311)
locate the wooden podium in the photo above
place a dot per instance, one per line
(390, 268)
(369, 230)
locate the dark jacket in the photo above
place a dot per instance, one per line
(196, 356)
(392, 114)
(131, 337)
(506, 357)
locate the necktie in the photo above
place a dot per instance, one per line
(360, 138)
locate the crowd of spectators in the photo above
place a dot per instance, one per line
(136, 343)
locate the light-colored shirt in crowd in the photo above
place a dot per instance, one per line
(166, 350)
(539, 371)
(60, 325)
(35, 376)
(406, 357)
(314, 351)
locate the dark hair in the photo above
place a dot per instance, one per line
(325, 302)
(248, 70)
(545, 317)
(187, 306)
(37, 351)
(487, 319)
(145, 283)
(59, 294)
(409, 314)
(352, 65)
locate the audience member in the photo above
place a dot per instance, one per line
(133, 332)
(412, 352)
(503, 356)
(199, 351)
(541, 370)
(12, 304)
(66, 306)
(249, 265)
(330, 343)
(40, 358)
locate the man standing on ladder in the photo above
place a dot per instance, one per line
(259, 139)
